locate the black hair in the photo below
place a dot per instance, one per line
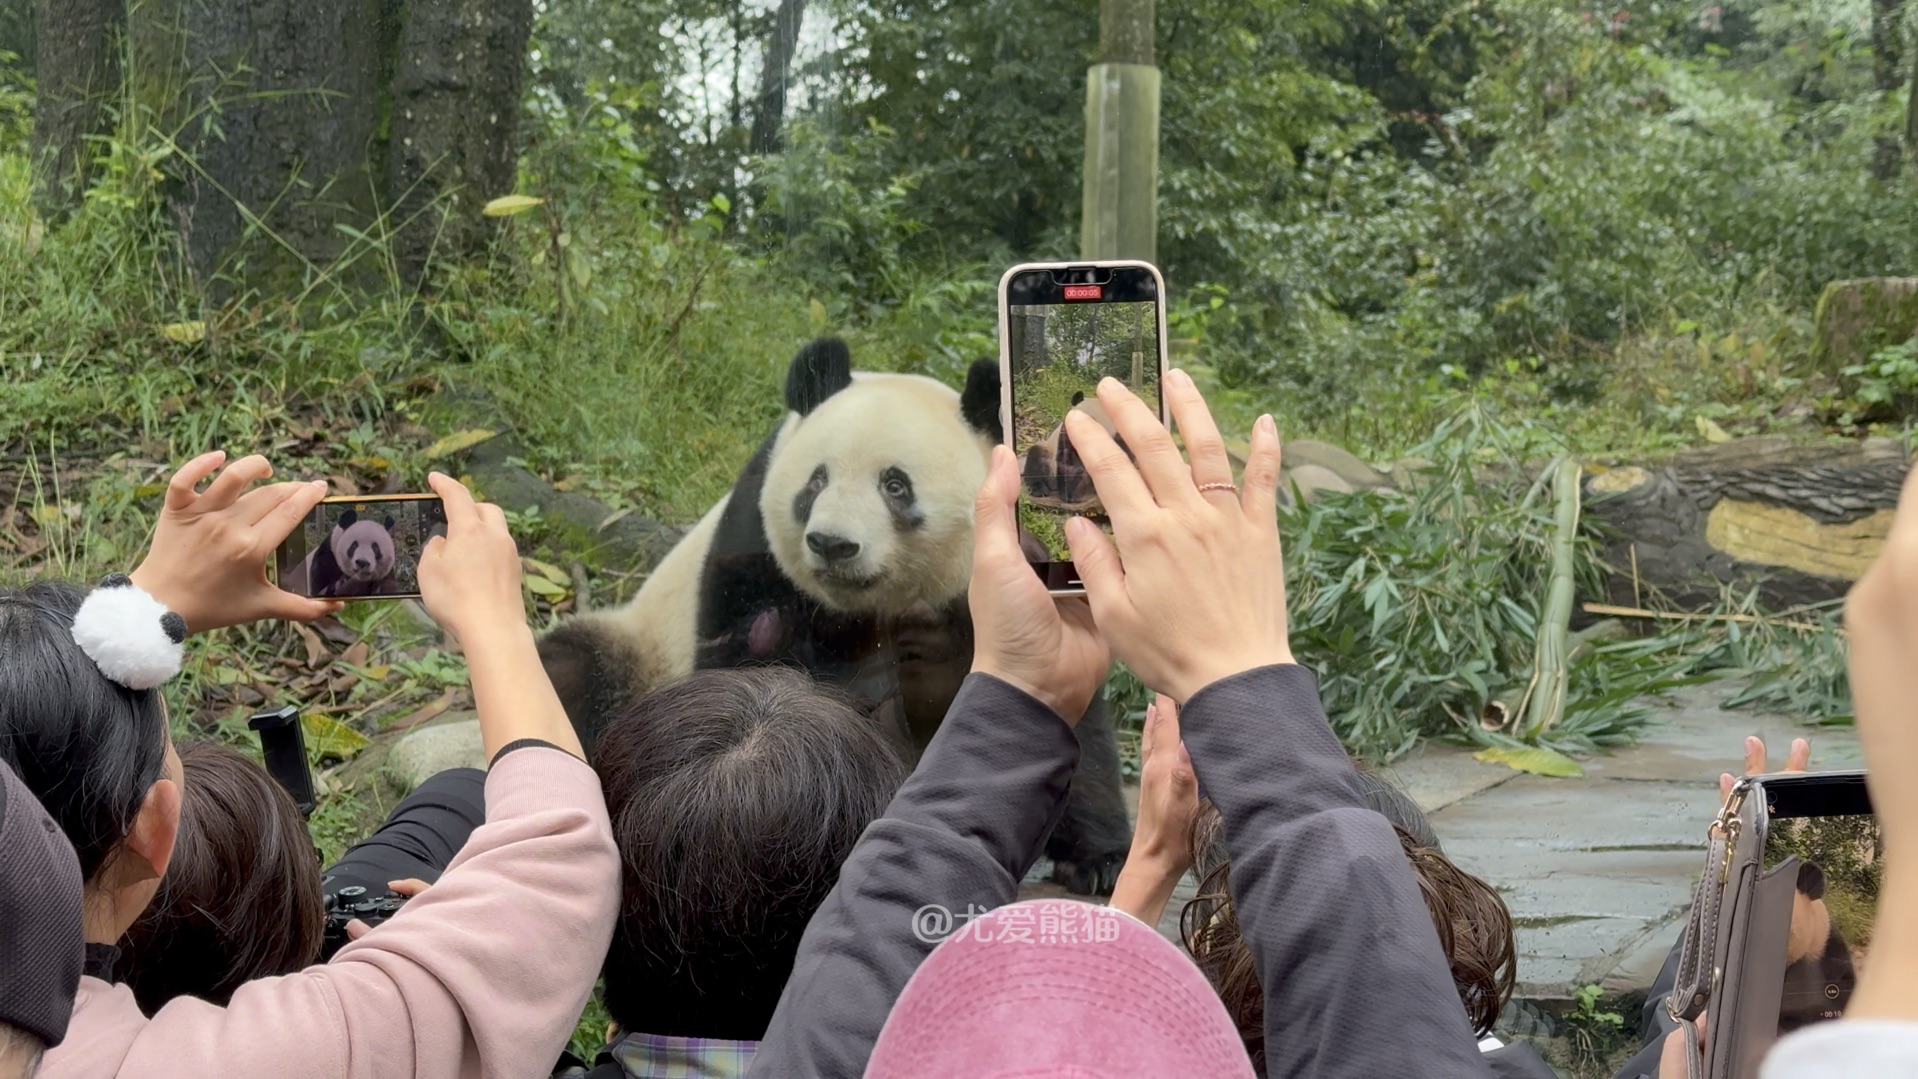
(241, 898)
(735, 795)
(88, 747)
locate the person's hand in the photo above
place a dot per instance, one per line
(1168, 800)
(1797, 759)
(409, 888)
(1168, 794)
(470, 577)
(1671, 1058)
(210, 548)
(1195, 590)
(1047, 647)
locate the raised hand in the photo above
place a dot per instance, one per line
(1797, 759)
(1195, 589)
(1168, 800)
(208, 559)
(1022, 635)
(470, 577)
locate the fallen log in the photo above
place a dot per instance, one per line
(1799, 523)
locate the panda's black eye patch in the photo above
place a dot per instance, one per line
(896, 484)
(897, 487)
(803, 501)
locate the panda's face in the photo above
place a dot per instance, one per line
(868, 497)
(363, 548)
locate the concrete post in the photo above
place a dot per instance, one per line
(1120, 214)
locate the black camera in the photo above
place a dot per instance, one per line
(344, 903)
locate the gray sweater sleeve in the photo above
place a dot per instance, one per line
(960, 835)
(1355, 981)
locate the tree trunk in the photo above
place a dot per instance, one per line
(77, 54)
(1125, 31)
(456, 102)
(275, 103)
(769, 105)
(1888, 74)
(1799, 523)
(299, 124)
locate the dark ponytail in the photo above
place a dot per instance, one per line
(87, 746)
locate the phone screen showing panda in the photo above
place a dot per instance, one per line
(1063, 330)
(361, 548)
(1825, 822)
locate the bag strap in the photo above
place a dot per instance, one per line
(1697, 957)
(1694, 1052)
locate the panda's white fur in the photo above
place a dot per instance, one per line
(881, 420)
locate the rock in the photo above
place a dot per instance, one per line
(452, 742)
(1858, 317)
(1310, 481)
(1358, 475)
(1317, 467)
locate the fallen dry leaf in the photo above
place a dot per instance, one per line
(316, 653)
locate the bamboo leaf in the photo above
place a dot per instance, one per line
(1534, 759)
(508, 205)
(547, 570)
(328, 737)
(455, 442)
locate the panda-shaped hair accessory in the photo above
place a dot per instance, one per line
(131, 636)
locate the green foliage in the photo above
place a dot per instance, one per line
(1596, 1029)
(1420, 611)
(1889, 383)
(590, 1034)
(1791, 665)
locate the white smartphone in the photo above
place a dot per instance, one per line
(1062, 328)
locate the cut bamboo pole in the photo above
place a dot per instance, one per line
(1545, 697)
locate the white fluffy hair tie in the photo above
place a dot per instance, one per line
(133, 638)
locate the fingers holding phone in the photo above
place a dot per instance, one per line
(208, 558)
(1194, 590)
(1797, 759)
(1046, 646)
(470, 576)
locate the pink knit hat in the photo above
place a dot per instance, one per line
(1054, 989)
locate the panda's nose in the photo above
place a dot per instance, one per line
(830, 547)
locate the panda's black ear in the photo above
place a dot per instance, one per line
(821, 369)
(389, 523)
(979, 401)
(347, 517)
(1811, 880)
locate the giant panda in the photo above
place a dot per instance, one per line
(1819, 972)
(1053, 470)
(357, 559)
(844, 548)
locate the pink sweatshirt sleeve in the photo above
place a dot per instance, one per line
(483, 975)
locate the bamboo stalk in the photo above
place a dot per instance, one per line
(1545, 699)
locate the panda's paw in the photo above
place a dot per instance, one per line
(1096, 874)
